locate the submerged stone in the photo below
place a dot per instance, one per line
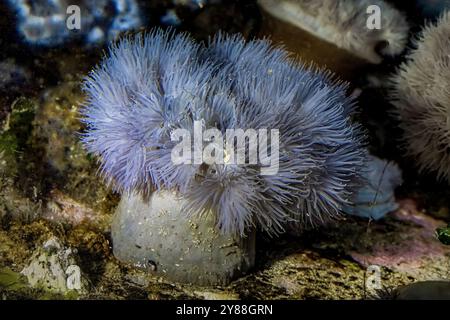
(53, 268)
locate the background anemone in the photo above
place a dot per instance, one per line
(376, 197)
(150, 85)
(46, 22)
(421, 97)
(344, 23)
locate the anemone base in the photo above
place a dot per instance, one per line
(156, 235)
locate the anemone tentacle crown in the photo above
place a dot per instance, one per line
(150, 85)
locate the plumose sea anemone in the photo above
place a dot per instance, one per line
(421, 97)
(375, 198)
(151, 85)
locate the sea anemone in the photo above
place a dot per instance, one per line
(151, 85)
(375, 198)
(344, 23)
(421, 97)
(46, 22)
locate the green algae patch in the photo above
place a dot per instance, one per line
(19, 121)
(15, 132)
(56, 139)
(14, 285)
(443, 234)
(13, 281)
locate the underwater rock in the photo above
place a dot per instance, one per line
(46, 22)
(63, 169)
(15, 132)
(156, 235)
(53, 268)
(15, 206)
(423, 290)
(421, 96)
(217, 295)
(3, 163)
(376, 196)
(303, 274)
(14, 142)
(344, 23)
(12, 281)
(63, 209)
(12, 251)
(411, 249)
